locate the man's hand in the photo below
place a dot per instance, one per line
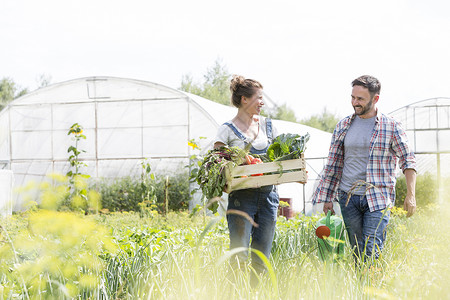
(410, 199)
(410, 205)
(328, 206)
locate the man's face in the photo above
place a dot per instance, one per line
(362, 103)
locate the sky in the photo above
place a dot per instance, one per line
(305, 53)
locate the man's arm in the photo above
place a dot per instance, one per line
(331, 173)
(408, 165)
(410, 199)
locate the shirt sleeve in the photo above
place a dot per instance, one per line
(401, 148)
(332, 172)
(222, 135)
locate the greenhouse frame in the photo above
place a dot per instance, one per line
(427, 124)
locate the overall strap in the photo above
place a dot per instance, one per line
(269, 130)
(236, 132)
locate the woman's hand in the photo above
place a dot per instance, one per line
(217, 145)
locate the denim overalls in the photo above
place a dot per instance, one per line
(261, 204)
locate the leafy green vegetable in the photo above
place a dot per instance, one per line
(211, 172)
(287, 146)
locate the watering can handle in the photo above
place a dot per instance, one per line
(328, 220)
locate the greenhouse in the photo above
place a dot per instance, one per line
(125, 121)
(427, 124)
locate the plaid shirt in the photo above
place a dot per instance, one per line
(388, 145)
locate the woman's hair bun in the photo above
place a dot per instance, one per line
(240, 86)
(236, 82)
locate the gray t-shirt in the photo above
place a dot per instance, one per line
(356, 154)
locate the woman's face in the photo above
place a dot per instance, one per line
(253, 104)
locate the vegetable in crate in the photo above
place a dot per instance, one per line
(211, 174)
(287, 146)
(251, 160)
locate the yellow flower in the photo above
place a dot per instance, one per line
(193, 145)
(284, 204)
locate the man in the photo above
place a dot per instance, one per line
(360, 171)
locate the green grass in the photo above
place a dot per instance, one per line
(178, 257)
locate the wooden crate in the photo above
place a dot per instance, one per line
(239, 177)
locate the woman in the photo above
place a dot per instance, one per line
(250, 130)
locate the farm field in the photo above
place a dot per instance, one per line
(57, 255)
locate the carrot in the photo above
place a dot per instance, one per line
(249, 159)
(256, 160)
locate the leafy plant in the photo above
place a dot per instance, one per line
(128, 193)
(148, 190)
(120, 194)
(286, 146)
(195, 159)
(211, 172)
(55, 257)
(76, 131)
(177, 190)
(77, 184)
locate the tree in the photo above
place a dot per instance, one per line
(188, 85)
(9, 90)
(43, 80)
(215, 87)
(325, 121)
(283, 112)
(217, 84)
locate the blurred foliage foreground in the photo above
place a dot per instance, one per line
(46, 254)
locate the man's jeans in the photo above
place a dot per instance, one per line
(261, 204)
(366, 230)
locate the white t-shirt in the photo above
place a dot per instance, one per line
(227, 136)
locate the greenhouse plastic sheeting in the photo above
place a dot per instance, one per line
(125, 121)
(6, 185)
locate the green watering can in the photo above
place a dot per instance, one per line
(330, 237)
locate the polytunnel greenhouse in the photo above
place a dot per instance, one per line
(427, 124)
(125, 121)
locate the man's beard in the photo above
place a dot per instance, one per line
(364, 109)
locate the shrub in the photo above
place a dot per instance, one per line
(122, 194)
(426, 190)
(125, 194)
(56, 256)
(179, 194)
